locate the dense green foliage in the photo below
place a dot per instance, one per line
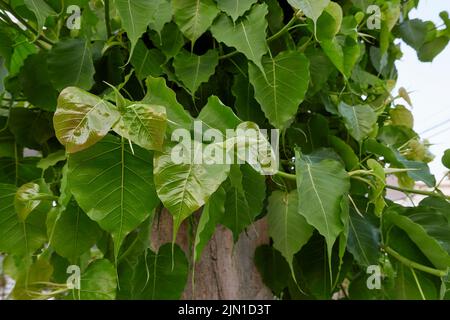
(86, 120)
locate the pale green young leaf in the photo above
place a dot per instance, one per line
(143, 124)
(82, 119)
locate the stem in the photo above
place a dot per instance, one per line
(107, 19)
(286, 175)
(415, 265)
(282, 30)
(38, 36)
(422, 192)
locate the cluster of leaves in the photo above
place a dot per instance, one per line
(86, 120)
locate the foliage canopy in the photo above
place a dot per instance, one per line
(89, 104)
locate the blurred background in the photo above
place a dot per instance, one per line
(429, 87)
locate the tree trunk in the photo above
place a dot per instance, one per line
(225, 270)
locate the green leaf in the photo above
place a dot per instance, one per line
(235, 8)
(245, 194)
(144, 125)
(185, 186)
(27, 281)
(413, 32)
(248, 35)
(329, 22)
(159, 94)
(22, 49)
(19, 237)
(376, 195)
(343, 51)
(170, 41)
(346, 153)
(82, 119)
(246, 106)
(51, 160)
(74, 233)
(136, 15)
(216, 115)
(70, 64)
(211, 215)
(446, 159)
(432, 48)
(400, 116)
(363, 238)
(158, 276)
(146, 61)
(193, 70)
(31, 127)
(311, 8)
(35, 80)
(113, 186)
(320, 69)
(161, 15)
(282, 86)
(41, 11)
(417, 225)
(358, 119)
(321, 186)
(194, 17)
(273, 268)
(405, 285)
(19, 171)
(23, 201)
(98, 282)
(288, 229)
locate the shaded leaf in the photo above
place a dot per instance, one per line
(154, 277)
(245, 194)
(212, 213)
(70, 64)
(74, 233)
(193, 70)
(288, 229)
(146, 61)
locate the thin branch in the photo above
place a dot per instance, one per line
(415, 265)
(415, 191)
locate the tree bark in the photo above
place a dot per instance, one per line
(225, 270)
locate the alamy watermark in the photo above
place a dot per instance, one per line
(74, 279)
(247, 143)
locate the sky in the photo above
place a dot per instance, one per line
(430, 86)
